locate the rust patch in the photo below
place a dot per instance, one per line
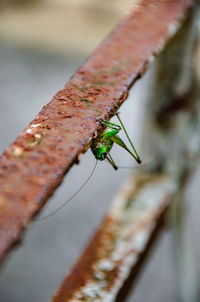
(35, 164)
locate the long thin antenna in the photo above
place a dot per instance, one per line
(69, 199)
(138, 158)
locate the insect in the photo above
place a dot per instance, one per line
(101, 149)
(104, 142)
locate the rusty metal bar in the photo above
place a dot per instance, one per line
(35, 164)
(122, 237)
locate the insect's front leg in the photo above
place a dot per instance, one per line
(111, 125)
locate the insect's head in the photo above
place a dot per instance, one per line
(103, 155)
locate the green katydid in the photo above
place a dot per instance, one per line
(103, 143)
(101, 149)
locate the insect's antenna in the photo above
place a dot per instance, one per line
(138, 158)
(70, 198)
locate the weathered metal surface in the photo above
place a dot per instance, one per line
(123, 236)
(173, 106)
(132, 218)
(34, 165)
(175, 121)
(129, 224)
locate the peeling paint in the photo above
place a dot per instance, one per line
(17, 151)
(131, 231)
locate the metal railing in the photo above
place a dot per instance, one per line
(66, 126)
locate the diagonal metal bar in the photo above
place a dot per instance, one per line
(117, 246)
(35, 164)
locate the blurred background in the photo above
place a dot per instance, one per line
(42, 43)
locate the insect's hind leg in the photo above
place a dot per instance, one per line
(112, 129)
(116, 139)
(137, 156)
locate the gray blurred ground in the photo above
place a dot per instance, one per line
(28, 80)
